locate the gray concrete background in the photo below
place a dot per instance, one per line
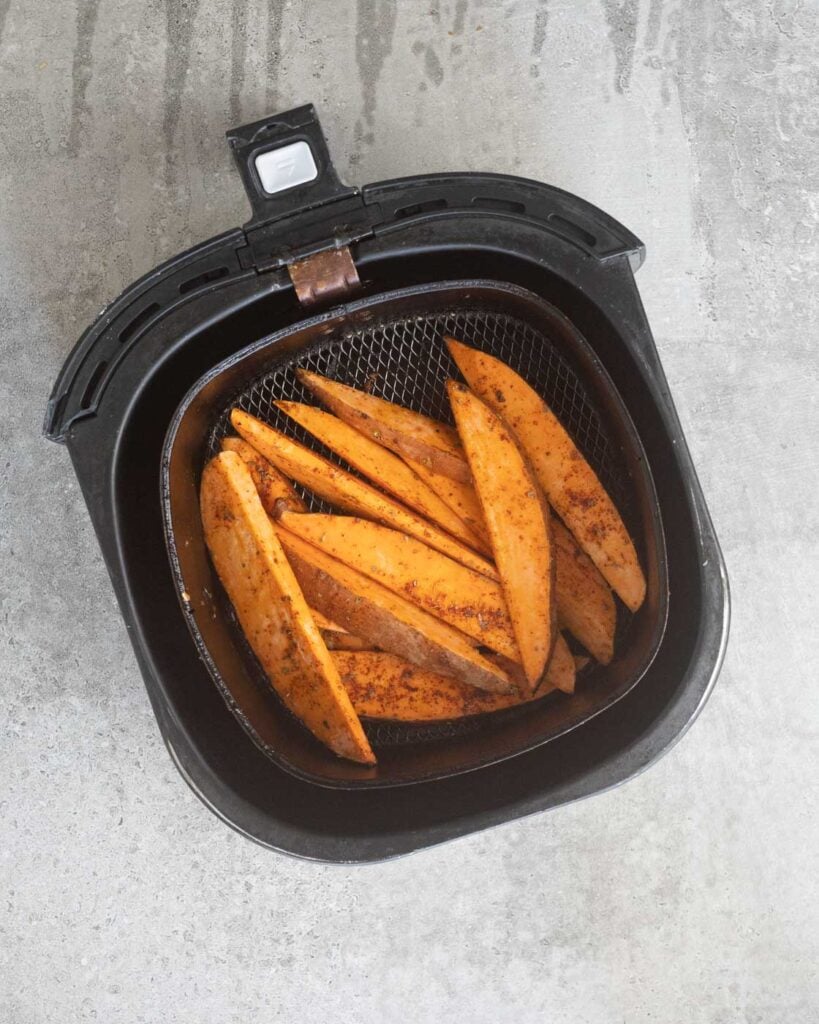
(689, 894)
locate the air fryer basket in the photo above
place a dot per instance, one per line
(492, 236)
(392, 345)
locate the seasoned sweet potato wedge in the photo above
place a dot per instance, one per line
(271, 608)
(274, 489)
(465, 599)
(560, 672)
(401, 430)
(336, 485)
(324, 624)
(377, 615)
(336, 637)
(385, 686)
(345, 642)
(379, 465)
(518, 525)
(585, 604)
(568, 481)
(460, 497)
(277, 494)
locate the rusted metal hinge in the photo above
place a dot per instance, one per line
(327, 275)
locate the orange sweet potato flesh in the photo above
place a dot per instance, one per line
(385, 619)
(271, 607)
(401, 430)
(585, 604)
(568, 481)
(341, 488)
(460, 497)
(560, 672)
(379, 465)
(518, 525)
(385, 686)
(275, 490)
(446, 589)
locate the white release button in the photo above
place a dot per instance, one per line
(286, 166)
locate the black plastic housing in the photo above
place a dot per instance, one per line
(117, 394)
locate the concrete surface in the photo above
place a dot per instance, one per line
(689, 895)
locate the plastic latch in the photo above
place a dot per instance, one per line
(286, 167)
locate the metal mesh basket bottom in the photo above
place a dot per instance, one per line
(404, 360)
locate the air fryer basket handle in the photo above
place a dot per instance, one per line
(299, 179)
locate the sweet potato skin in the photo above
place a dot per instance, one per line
(585, 604)
(324, 624)
(568, 481)
(385, 686)
(271, 608)
(385, 619)
(275, 490)
(385, 469)
(336, 485)
(401, 430)
(446, 589)
(518, 526)
(336, 641)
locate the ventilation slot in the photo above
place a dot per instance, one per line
(572, 230)
(502, 205)
(139, 321)
(91, 386)
(428, 207)
(196, 282)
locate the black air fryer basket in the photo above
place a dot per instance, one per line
(361, 285)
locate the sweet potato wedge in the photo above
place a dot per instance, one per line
(324, 624)
(445, 588)
(518, 525)
(460, 497)
(345, 642)
(585, 604)
(568, 481)
(385, 619)
(560, 672)
(277, 493)
(385, 686)
(274, 489)
(336, 637)
(379, 465)
(341, 488)
(401, 430)
(271, 608)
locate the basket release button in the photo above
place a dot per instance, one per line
(286, 167)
